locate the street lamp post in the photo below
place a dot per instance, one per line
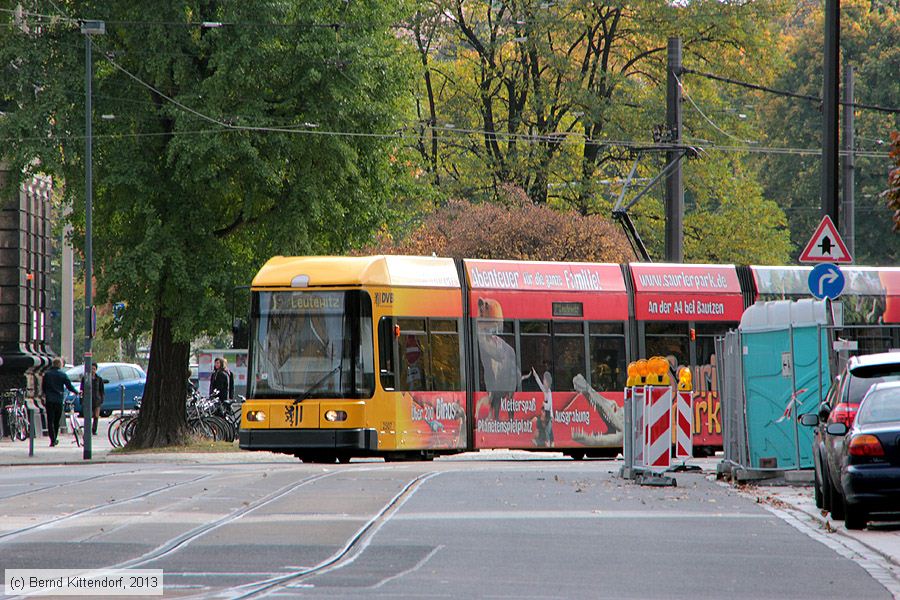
(88, 28)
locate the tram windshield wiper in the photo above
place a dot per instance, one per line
(316, 385)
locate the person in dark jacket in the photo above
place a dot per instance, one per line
(54, 386)
(98, 395)
(220, 382)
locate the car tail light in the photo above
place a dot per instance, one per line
(845, 413)
(865, 445)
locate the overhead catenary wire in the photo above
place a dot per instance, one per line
(453, 135)
(762, 88)
(45, 18)
(708, 120)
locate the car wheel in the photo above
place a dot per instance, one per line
(105, 413)
(856, 517)
(826, 489)
(837, 503)
(817, 490)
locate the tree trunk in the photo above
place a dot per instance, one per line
(163, 420)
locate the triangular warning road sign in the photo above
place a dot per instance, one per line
(826, 245)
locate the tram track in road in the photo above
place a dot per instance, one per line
(352, 549)
(181, 541)
(9, 535)
(56, 486)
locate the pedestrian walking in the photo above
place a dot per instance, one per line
(98, 395)
(54, 386)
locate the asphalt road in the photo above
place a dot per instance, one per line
(458, 528)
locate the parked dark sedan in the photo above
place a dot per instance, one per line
(840, 406)
(870, 457)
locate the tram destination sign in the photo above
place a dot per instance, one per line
(568, 309)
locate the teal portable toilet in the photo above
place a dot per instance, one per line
(784, 347)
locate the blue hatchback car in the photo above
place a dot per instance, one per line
(124, 382)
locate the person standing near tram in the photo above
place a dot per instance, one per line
(221, 382)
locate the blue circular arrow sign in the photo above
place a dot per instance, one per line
(826, 281)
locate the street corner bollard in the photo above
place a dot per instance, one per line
(658, 415)
(684, 417)
(32, 415)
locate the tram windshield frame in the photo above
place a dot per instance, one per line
(311, 344)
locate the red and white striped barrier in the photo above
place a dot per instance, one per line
(684, 425)
(637, 412)
(657, 427)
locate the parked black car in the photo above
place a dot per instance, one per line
(870, 457)
(840, 406)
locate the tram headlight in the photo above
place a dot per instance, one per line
(256, 415)
(335, 415)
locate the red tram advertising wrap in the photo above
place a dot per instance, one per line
(541, 382)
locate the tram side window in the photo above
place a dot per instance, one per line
(537, 352)
(386, 361)
(498, 369)
(443, 337)
(607, 347)
(424, 357)
(705, 377)
(413, 354)
(568, 350)
(670, 340)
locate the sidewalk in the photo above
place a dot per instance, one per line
(17, 453)
(67, 453)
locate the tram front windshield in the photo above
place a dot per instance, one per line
(312, 345)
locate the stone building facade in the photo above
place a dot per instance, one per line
(25, 250)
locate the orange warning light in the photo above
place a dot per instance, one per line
(685, 379)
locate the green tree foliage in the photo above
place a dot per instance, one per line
(219, 153)
(513, 229)
(869, 34)
(553, 97)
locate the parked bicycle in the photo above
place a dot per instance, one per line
(121, 428)
(75, 425)
(204, 416)
(16, 414)
(207, 417)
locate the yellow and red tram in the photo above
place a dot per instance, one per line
(406, 357)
